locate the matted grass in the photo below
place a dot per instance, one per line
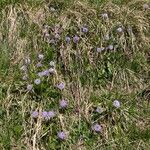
(92, 79)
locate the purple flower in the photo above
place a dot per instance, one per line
(84, 30)
(51, 114)
(46, 72)
(61, 86)
(34, 114)
(51, 70)
(105, 16)
(116, 103)
(39, 64)
(62, 135)
(23, 68)
(75, 39)
(41, 56)
(67, 39)
(96, 127)
(52, 63)
(110, 47)
(44, 115)
(29, 87)
(99, 49)
(146, 6)
(63, 103)
(37, 81)
(119, 30)
(98, 110)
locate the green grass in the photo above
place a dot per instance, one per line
(92, 79)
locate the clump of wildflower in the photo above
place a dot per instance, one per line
(34, 114)
(84, 29)
(29, 87)
(62, 135)
(98, 49)
(67, 39)
(75, 39)
(41, 56)
(96, 127)
(37, 81)
(61, 86)
(116, 103)
(63, 103)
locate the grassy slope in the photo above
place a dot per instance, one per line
(91, 79)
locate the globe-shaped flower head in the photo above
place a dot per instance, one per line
(62, 135)
(61, 86)
(34, 114)
(75, 39)
(63, 103)
(37, 81)
(96, 127)
(116, 103)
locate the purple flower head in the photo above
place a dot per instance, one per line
(29, 87)
(119, 30)
(99, 49)
(61, 86)
(67, 39)
(116, 103)
(146, 6)
(105, 16)
(63, 103)
(75, 39)
(23, 68)
(46, 72)
(44, 115)
(62, 135)
(51, 114)
(37, 81)
(27, 60)
(39, 64)
(34, 114)
(98, 110)
(96, 127)
(110, 47)
(43, 73)
(41, 56)
(84, 30)
(52, 63)
(51, 70)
